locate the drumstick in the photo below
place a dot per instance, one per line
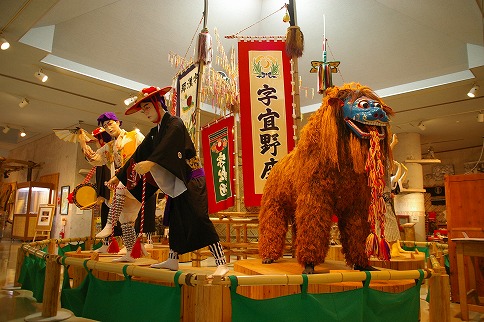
(88, 206)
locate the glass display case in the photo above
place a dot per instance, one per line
(30, 195)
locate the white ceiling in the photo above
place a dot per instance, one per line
(421, 56)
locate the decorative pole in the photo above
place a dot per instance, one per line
(294, 49)
(238, 201)
(323, 67)
(204, 56)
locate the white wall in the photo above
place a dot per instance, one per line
(61, 157)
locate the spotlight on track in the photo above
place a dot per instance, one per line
(473, 91)
(25, 101)
(41, 76)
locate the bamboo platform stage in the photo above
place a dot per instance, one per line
(290, 266)
(79, 273)
(400, 263)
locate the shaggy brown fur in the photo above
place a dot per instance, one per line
(324, 175)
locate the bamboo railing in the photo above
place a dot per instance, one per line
(439, 281)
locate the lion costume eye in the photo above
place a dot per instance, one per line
(363, 104)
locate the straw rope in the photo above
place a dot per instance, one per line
(255, 23)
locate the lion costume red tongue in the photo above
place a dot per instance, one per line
(376, 245)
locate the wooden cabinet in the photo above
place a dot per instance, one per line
(30, 195)
(464, 195)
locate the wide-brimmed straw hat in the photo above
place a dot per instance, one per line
(145, 94)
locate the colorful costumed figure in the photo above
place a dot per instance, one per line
(168, 155)
(114, 154)
(103, 173)
(336, 169)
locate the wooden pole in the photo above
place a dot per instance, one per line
(439, 306)
(51, 286)
(201, 66)
(439, 288)
(18, 266)
(238, 199)
(295, 77)
(51, 293)
(198, 109)
(297, 100)
(51, 247)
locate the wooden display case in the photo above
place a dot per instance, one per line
(464, 196)
(30, 195)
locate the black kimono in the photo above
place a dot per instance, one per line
(178, 174)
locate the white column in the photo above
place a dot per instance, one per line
(410, 201)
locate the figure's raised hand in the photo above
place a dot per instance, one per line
(112, 183)
(143, 167)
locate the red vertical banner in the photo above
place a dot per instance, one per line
(219, 161)
(265, 112)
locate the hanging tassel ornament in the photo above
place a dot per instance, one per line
(371, 248)
(136, 251)
(113, 247)
(294, 35)
(138, 247)
(376, 246)
(204, 47)
(294, 42)
(384, 249)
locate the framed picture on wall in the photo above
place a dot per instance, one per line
(44, 218)
(64, 203)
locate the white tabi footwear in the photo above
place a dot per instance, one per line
(106, 232)
(123, 259)
(171, 264)
(103, 249)
(220, 271)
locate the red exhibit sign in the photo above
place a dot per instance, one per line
(265, 112)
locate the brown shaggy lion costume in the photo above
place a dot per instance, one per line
(324, 175)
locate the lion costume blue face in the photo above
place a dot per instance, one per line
(362, 112)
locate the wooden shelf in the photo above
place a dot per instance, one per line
(423, 161)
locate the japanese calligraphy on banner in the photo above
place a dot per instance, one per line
(265, 112)
(219, 160)
(187, 89)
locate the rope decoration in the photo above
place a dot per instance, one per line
(117, 207)
(376, 245)
(114, 212)
(137, 250)
(89, 175)
(255, 23)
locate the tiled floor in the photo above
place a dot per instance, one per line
(15, 305)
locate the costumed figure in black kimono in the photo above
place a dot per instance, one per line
(124, 206)
(168, 155)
